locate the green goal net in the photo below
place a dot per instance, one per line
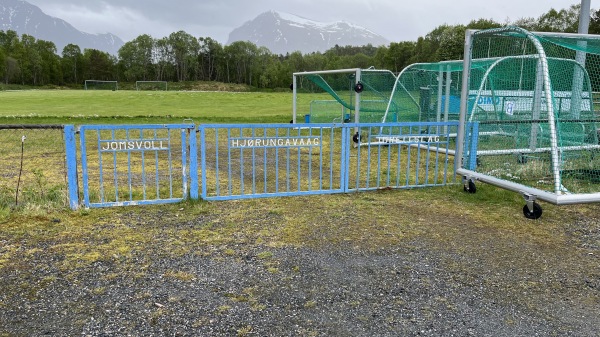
(430, 92)
(364, 94)
(329, 111)
(534, 99)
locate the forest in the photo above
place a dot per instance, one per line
(180, 56)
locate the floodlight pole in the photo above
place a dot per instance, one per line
(584, 17)
(578, 76)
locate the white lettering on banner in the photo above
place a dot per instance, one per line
(409, 139)
(488, 100)
(275, 142)
(151, 145)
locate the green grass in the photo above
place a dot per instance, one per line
(80, 107)
(128, 106)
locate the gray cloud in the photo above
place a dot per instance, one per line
(395, 20)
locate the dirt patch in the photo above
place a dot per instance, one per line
(387, 263)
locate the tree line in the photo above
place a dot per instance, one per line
(180, 56)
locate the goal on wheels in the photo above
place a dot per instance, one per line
(151, 85)
(533, 123)
(101, 85)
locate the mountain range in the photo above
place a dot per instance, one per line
(25, 18)
(280, 32)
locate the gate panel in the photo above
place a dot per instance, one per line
(250, 161)
(135, 164)
(253, 161)
(401, 155)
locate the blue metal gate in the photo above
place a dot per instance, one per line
(263, 160)
(136, 164)
(253, 161)
(153, 164)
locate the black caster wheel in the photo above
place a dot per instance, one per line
(470, 187)
(535, 214)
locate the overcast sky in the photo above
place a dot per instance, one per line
(396, 20)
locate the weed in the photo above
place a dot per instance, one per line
(156, 315)
(265, 255)
(223, 309)
(180, 275)
(310, 304)
(245, 331)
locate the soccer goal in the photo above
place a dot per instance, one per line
(101, 85)
(362, 95)
(151, 85)
(533, 127)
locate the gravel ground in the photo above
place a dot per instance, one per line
(472, 283)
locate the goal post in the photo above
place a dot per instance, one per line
(101, 85)
(151, 85)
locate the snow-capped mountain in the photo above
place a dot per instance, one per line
(282, 33)
(25, 18)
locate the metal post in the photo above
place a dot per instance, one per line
(71, 158)
(203, 161)
(184, 171)
(538, 93)
(447, 102)
(357, 101)
(578, 74)
(440, 79)
(294, 98)
(464, 99)
(584, 17)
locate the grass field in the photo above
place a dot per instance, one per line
(130, 106)
(127, 106)
(141, 107)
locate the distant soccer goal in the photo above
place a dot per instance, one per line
(101, 85)
(151, 85)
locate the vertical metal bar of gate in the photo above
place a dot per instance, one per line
(137, 164)
(71, 161)
(194, 187)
